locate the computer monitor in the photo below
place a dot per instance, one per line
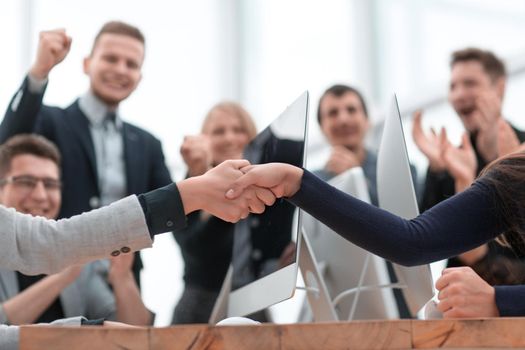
(346, 267)
(264, 255)
(395, 191)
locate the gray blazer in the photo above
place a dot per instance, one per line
(35, 245)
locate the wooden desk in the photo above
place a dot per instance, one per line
(399, 334)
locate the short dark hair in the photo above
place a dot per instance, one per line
(31, 144)
(491, 63)
(120, 28)
(339, 90)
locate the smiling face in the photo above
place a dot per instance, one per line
(467, 82)
(228, 135)
(343, 120)
(40, 200)
(114, 67)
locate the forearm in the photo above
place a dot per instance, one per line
(459, 224)
(27, 306)
(130, 307)
(22, 112)
(27, 241)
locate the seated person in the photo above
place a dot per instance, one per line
(34, 244)
(343, 117)
(30, 183)
(206, 243)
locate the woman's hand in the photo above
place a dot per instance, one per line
(463, 294)
(284, 180)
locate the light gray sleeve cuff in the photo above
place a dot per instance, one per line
(3, 316)
(9, 336)
(34, 85)
(72, 321)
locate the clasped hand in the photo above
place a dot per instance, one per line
(234, 189)
(207, 192)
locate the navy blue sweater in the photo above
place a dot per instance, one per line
(461, 223)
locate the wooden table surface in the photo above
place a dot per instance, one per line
(494, 333)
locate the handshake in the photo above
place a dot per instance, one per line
(235, 188)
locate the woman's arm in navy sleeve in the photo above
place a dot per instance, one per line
(458, 224)
(510, 300)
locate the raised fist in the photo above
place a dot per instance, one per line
(53, 47)
(197, 154)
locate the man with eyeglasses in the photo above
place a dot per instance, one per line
(30, 183)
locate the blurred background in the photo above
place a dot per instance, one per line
(264, 53)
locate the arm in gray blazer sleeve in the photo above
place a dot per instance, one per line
(35, 245)
(9, 337)
(22, 112)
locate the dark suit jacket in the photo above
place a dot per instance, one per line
(69, 130)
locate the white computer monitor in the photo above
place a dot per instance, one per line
(273, 279)
(346, 267)
(395, 192)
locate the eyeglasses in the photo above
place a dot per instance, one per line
(28, 183)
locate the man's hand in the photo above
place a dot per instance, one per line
(487, 114)
(53, 47)
(120, 267)
(196, 152)
(508, 142)
(341, 159)
(207, 192)
(460, 162)
(429, 145)
(284, 180)
(462, 293)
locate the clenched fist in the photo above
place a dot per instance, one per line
(197, 154)
(53, 47)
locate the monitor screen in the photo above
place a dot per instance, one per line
(395, 192)
(265, 243)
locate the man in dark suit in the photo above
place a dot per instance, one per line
(104, 158)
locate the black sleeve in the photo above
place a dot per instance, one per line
(98, 322)
(510, 300)
(22, 112)
(163, 209)
(459, 224)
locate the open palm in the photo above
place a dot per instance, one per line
(430, 145)
(461, 161)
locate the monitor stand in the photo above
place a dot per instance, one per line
(323, 308)
(220, 309)
(316, 292)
